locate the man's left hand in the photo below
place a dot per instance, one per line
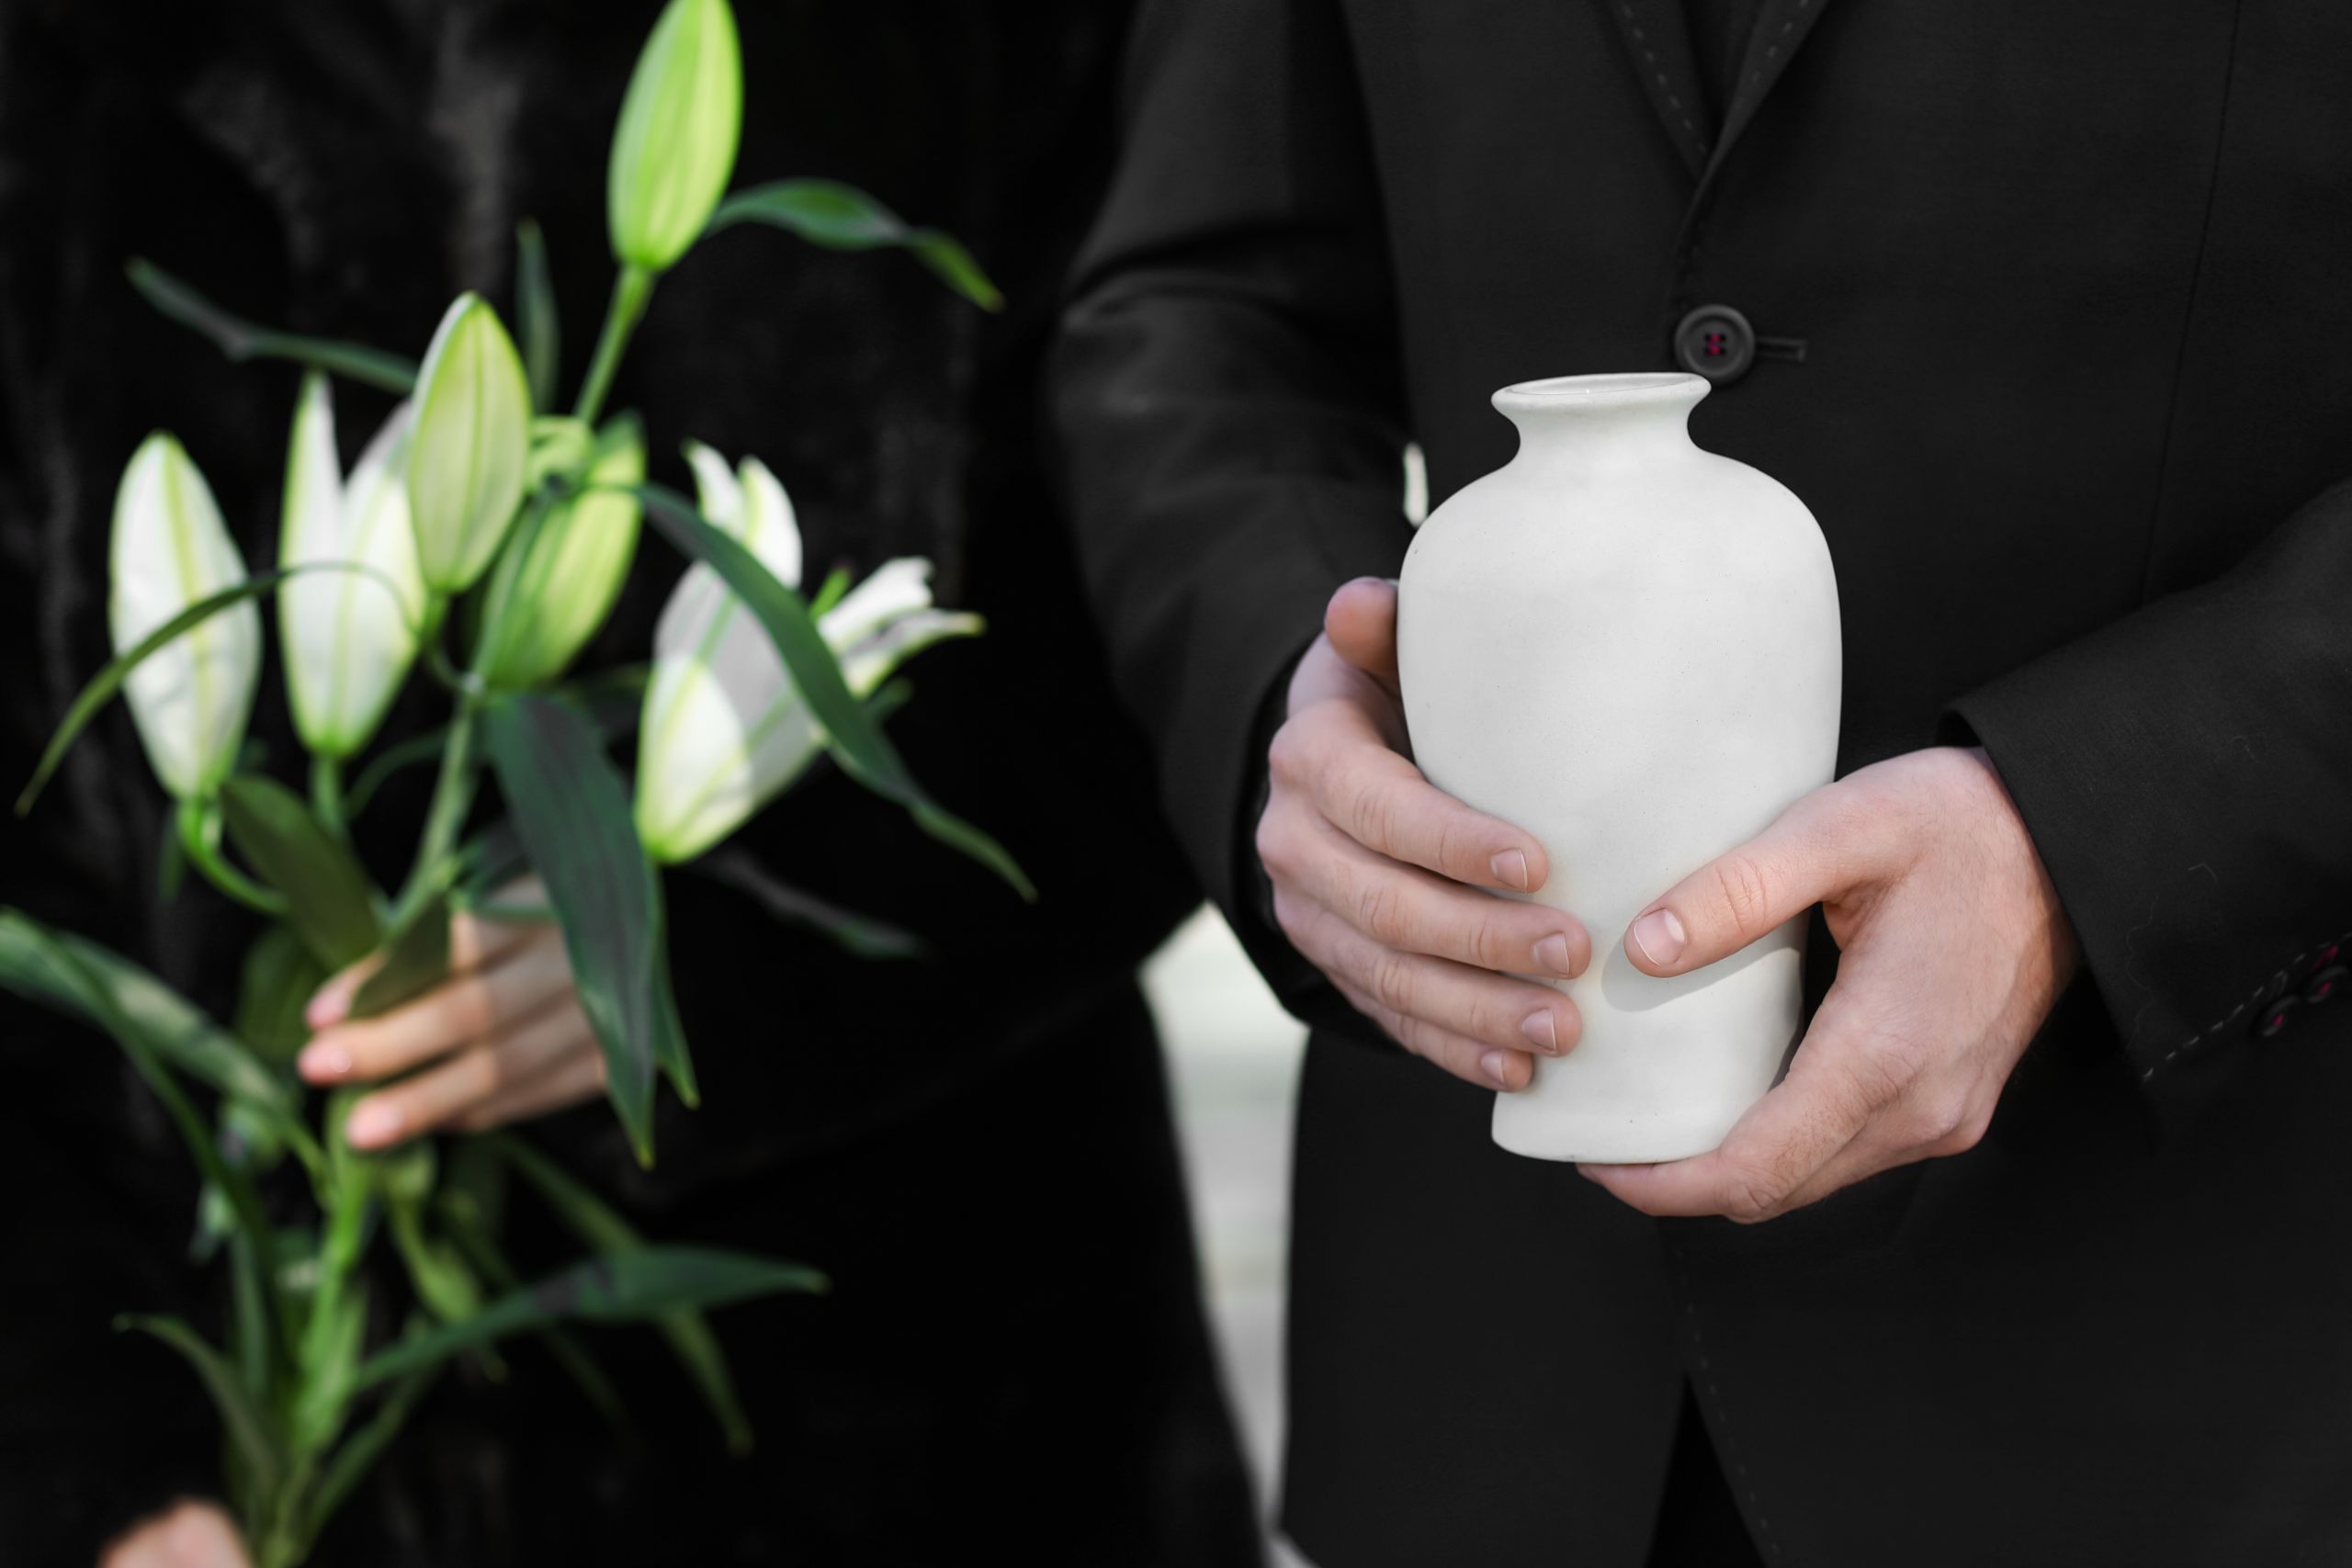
(1952, 948)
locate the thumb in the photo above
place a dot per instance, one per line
(1361, 621)
(1812, 851)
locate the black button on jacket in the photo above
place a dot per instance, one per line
(2059, 272)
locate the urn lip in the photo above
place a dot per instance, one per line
(1616, 390)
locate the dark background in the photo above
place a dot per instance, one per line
(976, 1148)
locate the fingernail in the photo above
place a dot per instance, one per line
(322, 1060)
(329, 1007)
(1660, 937)
(1511, 869)
(371, 1123)
(1494, 1062)
(1552, 953)
(1538, 1026)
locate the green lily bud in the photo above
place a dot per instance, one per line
(466, 457)
(349, 638)
(675, 146)
(724, 729)
(170, 550)
(557, 594)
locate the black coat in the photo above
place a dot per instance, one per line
(2050, 299)
(977, 1148)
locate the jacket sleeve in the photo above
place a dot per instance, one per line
(2186, 774)
(1226, 398)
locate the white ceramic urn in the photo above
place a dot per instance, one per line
(1629, 648)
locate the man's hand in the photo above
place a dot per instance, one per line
(501, 1039)
(1951, 947)
(1378, 875)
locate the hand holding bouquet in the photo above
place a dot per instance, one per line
(479, 542)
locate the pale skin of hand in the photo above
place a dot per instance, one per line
(500, 1040)
(187, 1535)
(1383, 881)
(1952, 943)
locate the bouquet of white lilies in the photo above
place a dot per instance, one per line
(475, 494)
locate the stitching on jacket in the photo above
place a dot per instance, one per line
(2234, 1013)
(1673, 102)
(1737, 1474)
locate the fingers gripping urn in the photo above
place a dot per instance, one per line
(1629, 648)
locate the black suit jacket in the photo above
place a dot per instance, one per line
(2052, 303)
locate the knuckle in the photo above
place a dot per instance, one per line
(1380, 911)
(1273, 843)
(1746, 893)
(1486, 944)
(1284, 762)
(468, 1010)
(1754, 1194)
(1393, 984)
(1371, 813)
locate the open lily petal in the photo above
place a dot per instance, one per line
(169, 548)
(725, 728)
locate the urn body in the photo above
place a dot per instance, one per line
(1629, 647)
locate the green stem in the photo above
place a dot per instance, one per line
(453, 796)
(200, 826)
(326, 796)
(631, 289)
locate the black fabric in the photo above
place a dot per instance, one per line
(997, 1364)
(2062, 279)
(1721, 31)
(346, 169)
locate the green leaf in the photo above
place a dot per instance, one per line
(328, 901)
(535, 314)
(594, 1222)
(280, 976)
(242, 340)
(859, 934)
(416, 957)
(108, 681)
(857, 742)
(247, 1428)
(623, 1287)
(352, 1461)
(842, 218)
(572, 812)
(463, 1214)
(33, 964)
(424, 748)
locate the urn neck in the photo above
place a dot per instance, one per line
(1601, 421)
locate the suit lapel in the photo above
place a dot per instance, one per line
(1782, 27)
(1657, 45)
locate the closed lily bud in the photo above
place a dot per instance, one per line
(348, 636)
(471, 444)
(675, 146)
(724, 729)
(170, 550)
(554, 596)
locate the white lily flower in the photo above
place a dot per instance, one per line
(169, 550)
(348, 636)
(725, 728)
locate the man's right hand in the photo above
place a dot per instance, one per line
(1379, 877)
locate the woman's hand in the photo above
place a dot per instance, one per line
(187, 1535)
(500, 1039)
